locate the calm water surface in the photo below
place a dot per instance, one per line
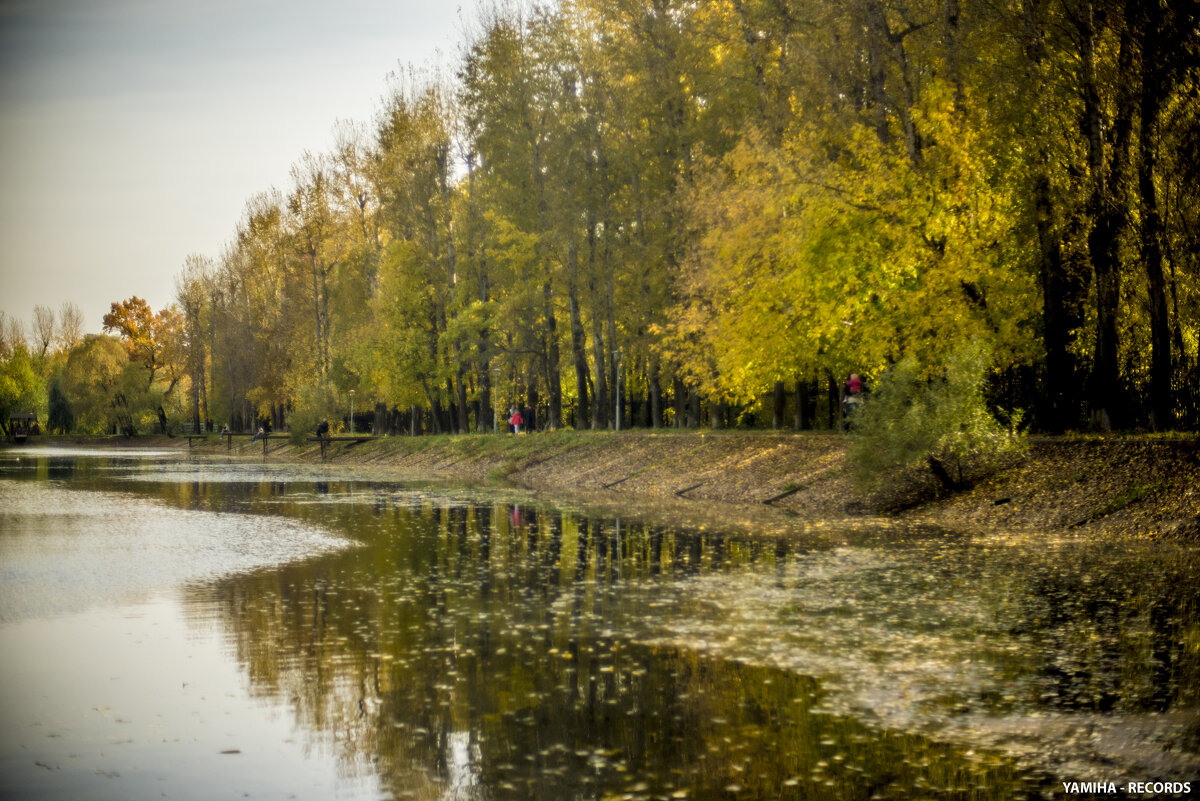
(180, 630)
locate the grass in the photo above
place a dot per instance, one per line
(1133, 493)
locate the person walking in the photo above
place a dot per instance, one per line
(853, 398)
(516, 420)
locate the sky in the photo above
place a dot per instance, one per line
(133, 132)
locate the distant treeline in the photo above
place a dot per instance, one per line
(712, 213)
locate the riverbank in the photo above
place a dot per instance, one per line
(1113, 486)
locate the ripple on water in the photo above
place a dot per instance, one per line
(935, 639)
(65, 550)
(90, 453)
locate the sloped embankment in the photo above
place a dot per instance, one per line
(1126, 486)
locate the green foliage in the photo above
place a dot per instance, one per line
(61, 417)
(313, 403)
(21, 390)
(729, 198)
(1135, 492)
(108, 391)
(939, 422)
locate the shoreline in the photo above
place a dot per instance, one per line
(1114, 487)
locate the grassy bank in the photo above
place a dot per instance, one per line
(1114, 486)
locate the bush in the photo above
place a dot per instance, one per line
(312, 404)
(938, 423)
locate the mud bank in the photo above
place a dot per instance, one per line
(1137, 487)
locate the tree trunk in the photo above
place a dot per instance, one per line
(435, 413)
(320, 320)
(880, 35)
(553, 377)
(877, 98)
(1064, 289)
(801, 419)
(680, 400)
(1062, 300)
(1153, 91)
(380, 426)
(950, 12)
(195, 405)
(486, 409)
(655, 393)
(1108, 214)
(610, 326)
(578, 343)
(835, 404)
(464, 422)
(779, 407)
(600, 401)
(716, 414)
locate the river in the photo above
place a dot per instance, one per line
(199, 629)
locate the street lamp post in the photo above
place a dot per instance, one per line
(351, 412)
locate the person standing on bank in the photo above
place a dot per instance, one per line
(854, 396)
(516, 421)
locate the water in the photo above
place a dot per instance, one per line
(171, 629)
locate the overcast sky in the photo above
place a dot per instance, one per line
(132, 132)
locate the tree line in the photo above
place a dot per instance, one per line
(709, 213)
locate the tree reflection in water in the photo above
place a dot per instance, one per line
(497, 651)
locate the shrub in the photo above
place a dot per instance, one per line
(312, 404)
(940, 423)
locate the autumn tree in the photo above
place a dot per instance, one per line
(192, 295)
(154, 341)
(702, 203)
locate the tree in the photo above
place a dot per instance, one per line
(12, 335)
(61, 416)
(21, 389)
(420, 285)
(708, 200)
(70, 326)
(43, 329)
(154, 341)
(93, 382)
(192, 293)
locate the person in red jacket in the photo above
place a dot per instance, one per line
(516, 420)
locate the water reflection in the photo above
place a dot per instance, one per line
(534, 641)
(483, 647)
(499, 661)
